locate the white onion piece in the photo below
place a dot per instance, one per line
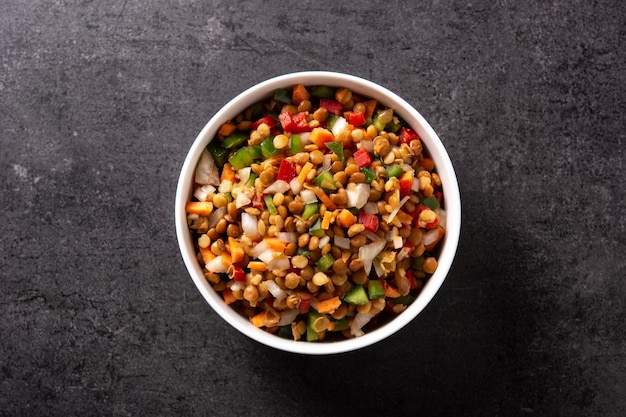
(275, 290)
(442, 217)
(305, 138)
(360, 320)
(326, 162)
(250, 226)
(206, 170)
(282, 262)
(370, 208)
(238, 286)
(430, 236)
(368, 145)
(340, 124)
(359, 196)
(287, 316)
(378, 268)
(203, 191)
(216, 216)
(287, 237)
(279, 186)
(406, 167)
(259, 248)
(216, 265)
(242, 200)
(397, 242)
(415, 185)
(295, 185)
(342, 242)
(323, 241)
(395, 210)
(367, 253)
(266, 256)
(244, 174)
(308, 196)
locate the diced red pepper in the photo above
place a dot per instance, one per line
(411, 278)
(269, 120)
(238, 274)
(355, 118)
(406, 182)
(286, 171)
(406, 135)
(370, 221)
(439, 196)
(294, 123)
(432, 224)
(305, 304)
(332, 106)
(362, 158)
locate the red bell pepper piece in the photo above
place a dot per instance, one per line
(238, 274)
(406, 135)
(355, 118)
(269, 120)
(411, 278)
(332, 106)
(286, 171)
(370, 221)
(305, 304)
(362, 158)
(286, 121)
(406, 182)
(294, 123)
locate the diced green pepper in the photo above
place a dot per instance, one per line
(431, 202)
(219, 153)
(403, 299)
(330, 121)
(268, 149)
(269, 203)
(337, 148)
(326, 181)
(309, 210)
(235, 140)
(241, 159)
(394, 170)
(257, 110)
(379, 125)
(311, 334)
(341, 325)
(304, 252)
(251, 179)
(316, 229)
(285, 332)
(393, 126)
(282, 95)
(369, 173)
(325, 262)
(356, 296)
(296, 145)
(417, 262)
(255, 151)
(375, 289)
(323, 91)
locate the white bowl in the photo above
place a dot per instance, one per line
(432, 143)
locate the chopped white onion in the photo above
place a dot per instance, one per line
(360, 320)
(371, 235)
(287, 316)
(295, 185)
(342, 242)
(250, 225)
(279, 186)
(359, 196)
(238, 286)
(266, 256)
(415, 185)
(242, 200)
(275, 289)
(216, 265)
(281, 262)
(203, 191)
(259, 248)
(287, 237)
(326, 162)
(368, 252)
(370, 208)
(226, 186)
(397, 242)
(431, 236)
(215, 216)
(368, 145)
(340, 124)
(442, 217)
(378, 268)
(206, 170)
(244, 174)
(308, 196)
(323, 241)
(395, 210)
(305, 138)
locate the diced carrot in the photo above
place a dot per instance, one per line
(227, 128)
(259, 319)
(331, 326)
(236, 250)
(370, 106)
(428, 164)
(324, 198)
(226, 259)
(346, 218)
(275, 243)
(304, 172)
(328, 216)
(228, 173)
(299, 94)
(328, 306)
(203, 208)
(229, 298)
(207, 255)
(320, 136)
(257, 266)
(391, 292)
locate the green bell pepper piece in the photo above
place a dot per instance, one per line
(296, 145)
(219, 153)
(337, 148)
(282, 95)
(356, 296)
(369, 173)
(323, 91)
(341, 325)
(269, 202)
(394, 170)
(431, 202)
(326, 181)
(325, 262)
(268, 149)
(311, 334)
(235, 140)
(309, 210)
(285, 332)
(241, 159)
(403, 299)
(316, 229)
(375, 289)
(255, 151)
(257, 110)
(251, 179)
(330, 121)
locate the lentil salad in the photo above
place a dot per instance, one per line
(317, 214)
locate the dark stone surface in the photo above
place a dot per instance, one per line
(100, 101)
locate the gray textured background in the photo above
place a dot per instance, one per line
(100, 101)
